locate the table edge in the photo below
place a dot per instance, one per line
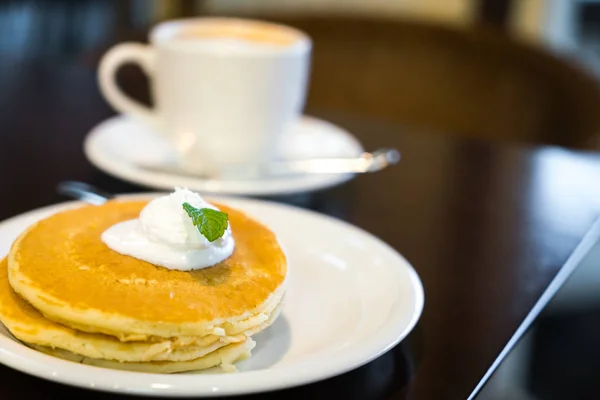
(585, 245)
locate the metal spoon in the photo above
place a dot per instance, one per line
(365, 163)
(84, 192)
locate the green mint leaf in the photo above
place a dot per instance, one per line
(211, 223)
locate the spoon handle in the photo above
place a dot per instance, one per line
(365, 163)
(84, 192)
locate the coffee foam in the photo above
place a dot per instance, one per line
(221, 44)
(252, 33)
(229, 35)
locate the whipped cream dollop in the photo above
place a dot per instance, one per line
(164, 235)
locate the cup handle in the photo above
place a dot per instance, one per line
(120, 54)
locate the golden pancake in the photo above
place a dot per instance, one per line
(61, 266)
(28, 325)
(224, 357)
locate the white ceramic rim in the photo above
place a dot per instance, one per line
(127, 171)
(24, 359)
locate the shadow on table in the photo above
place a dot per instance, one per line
(378, 379)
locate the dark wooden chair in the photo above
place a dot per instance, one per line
(474, 82)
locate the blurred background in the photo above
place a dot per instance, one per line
(522, 71)
(499, 69)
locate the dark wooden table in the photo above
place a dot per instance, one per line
(486, 225)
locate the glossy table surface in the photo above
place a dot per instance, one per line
(558, 356)
(486, 225)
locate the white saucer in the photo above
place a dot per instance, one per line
(120, 145)
(350, 298)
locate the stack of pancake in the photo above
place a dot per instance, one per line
(63, 292)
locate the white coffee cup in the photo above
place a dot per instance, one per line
(225, 90)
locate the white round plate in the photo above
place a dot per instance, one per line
(121, 146)
(350, 298)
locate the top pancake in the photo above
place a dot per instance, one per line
(62, 267)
